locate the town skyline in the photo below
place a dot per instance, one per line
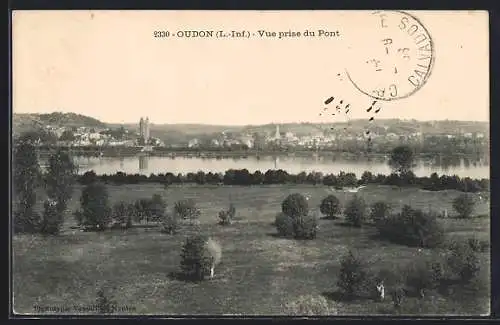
(152, 122)
(108, 66)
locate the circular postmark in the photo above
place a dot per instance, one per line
(391, 57)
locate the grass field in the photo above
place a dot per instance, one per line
(259, 272)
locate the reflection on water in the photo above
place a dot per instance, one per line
(147, 165)
(143, 163)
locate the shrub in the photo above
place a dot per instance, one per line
(463, 261)
(464, 205)
(295, 205)
(226, 216)
(157, 207)
(398, 296)
(424, 275)
(478, 246)
(309, 305)
(413, 228)
(105, 305)
(121, 215)
(284, 225)
(52, 218)
(353, 275)
(379, 211)
(26, 221)
(186, 209)
(170, 223)
(95, 213)
(142, 210)
(330, 206)
(305, 227)
(355, 211)
(198, 254)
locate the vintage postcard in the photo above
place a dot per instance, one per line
(300, 163)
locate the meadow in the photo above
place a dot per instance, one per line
(259, 273)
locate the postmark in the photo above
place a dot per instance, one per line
(393, 57)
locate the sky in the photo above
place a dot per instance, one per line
(108, 65)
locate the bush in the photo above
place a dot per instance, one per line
(284, 225)
(186, 209)
(52, 218)
(26, 221)
(464, 205)
(355, 211)
(105, 305)
(198, 255)
(157, 207)
(170, 223)
(379, 211)
(226, 216)
(295, 205)
(463, 261)
(424, 275)
(309, 305)
(95, 213)
(142, 209)
(478, 246)
(330, 206)
(353, 276)
(305, 227)
(413, 228)
(121, 215)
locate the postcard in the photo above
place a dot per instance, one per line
(265, 163)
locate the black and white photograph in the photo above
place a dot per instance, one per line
(250, 163)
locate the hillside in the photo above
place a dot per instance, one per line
(54, 119)
(26, 122)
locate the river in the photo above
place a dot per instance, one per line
(147, 165)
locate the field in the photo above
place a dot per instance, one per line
(259, 272)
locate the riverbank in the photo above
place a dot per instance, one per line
(118, 152)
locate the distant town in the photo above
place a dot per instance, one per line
(376, 138)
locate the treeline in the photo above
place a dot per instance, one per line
(340, 180)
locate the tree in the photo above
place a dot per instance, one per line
(121, 215)
(88, 177)
(355, 211)
(26, 179)
(67, 135)
(353, 275)
(284, 225)
(412, 227)
(379, 211)
(226, 216)
(52, 219)
(95, 212)
(187, 209)
(423, 275)
(464, 205)
(463, 261)
(200, 254)
(402, 160)
(59, 182)
(157, 207)
(330, 206)
(295, 205)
